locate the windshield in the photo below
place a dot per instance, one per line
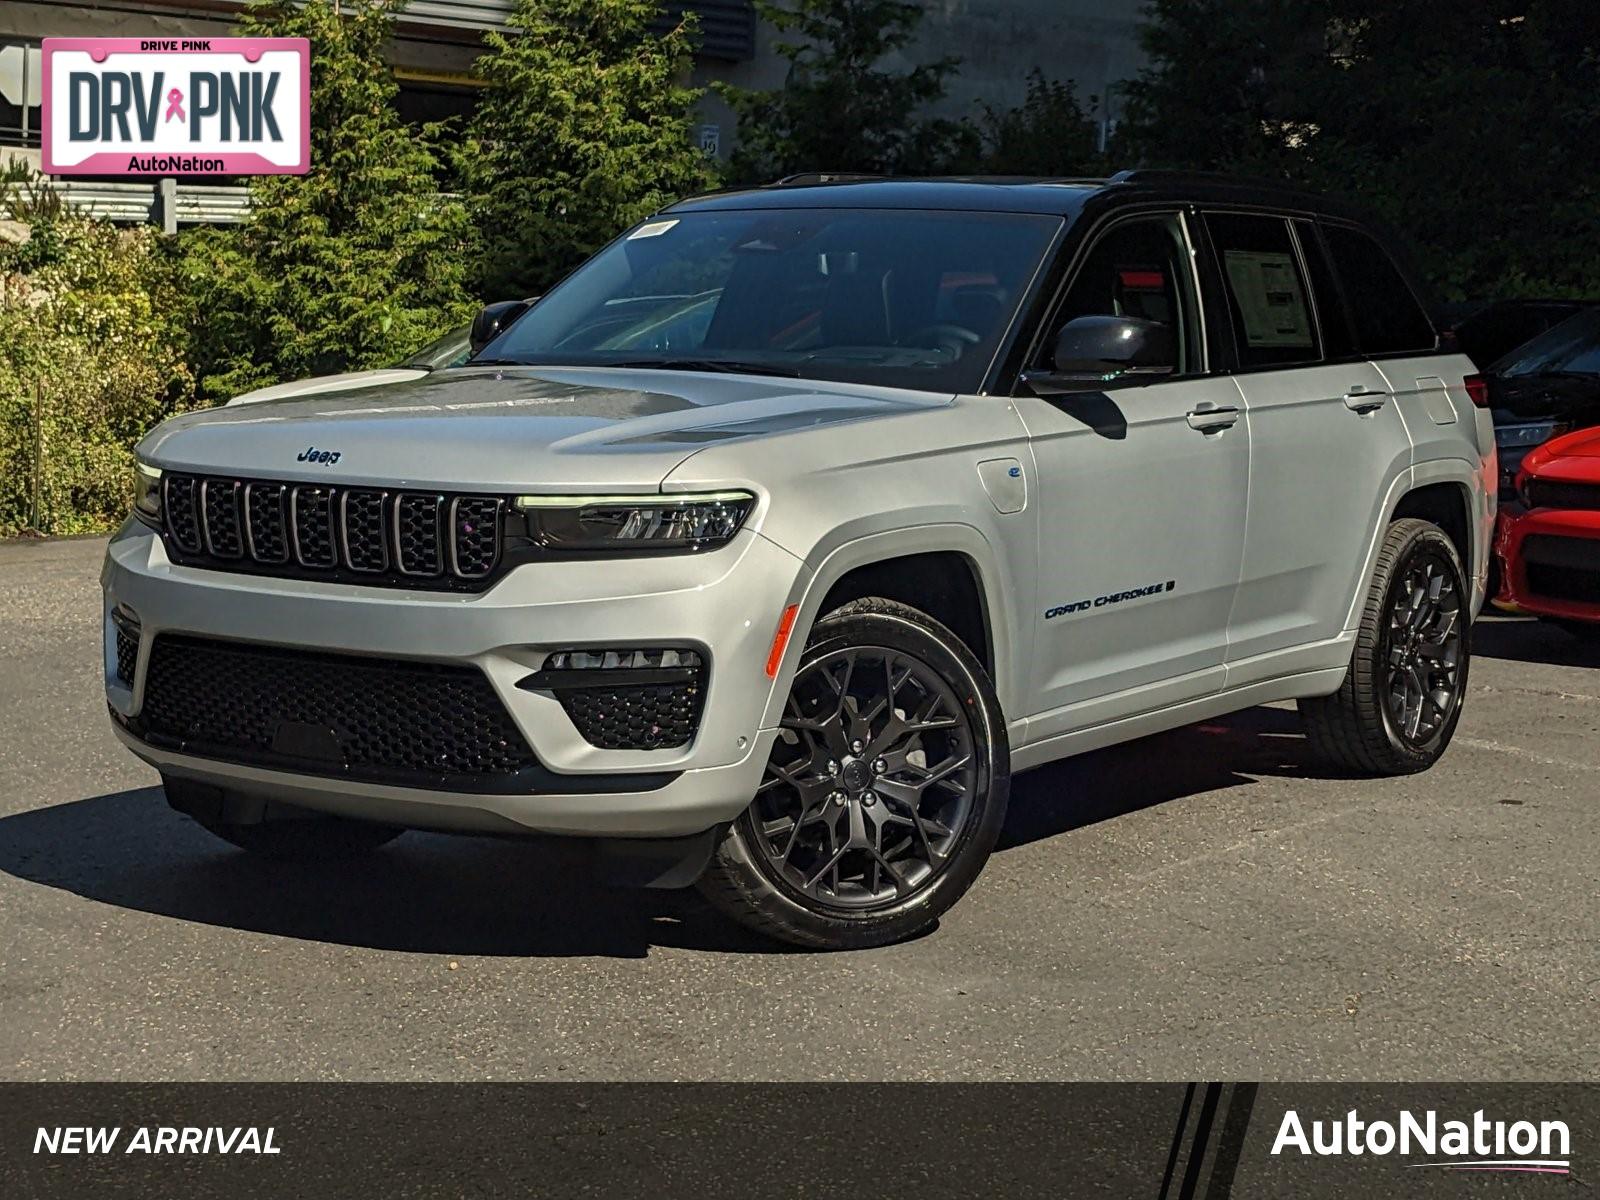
(892, 297)
(1571, 348)
(451, 350)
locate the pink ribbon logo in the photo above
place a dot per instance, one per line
(174, 106)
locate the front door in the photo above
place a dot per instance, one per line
(1143, 490)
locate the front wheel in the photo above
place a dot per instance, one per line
(884, 793)
(1397, 708)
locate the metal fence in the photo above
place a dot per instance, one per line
(148, 203)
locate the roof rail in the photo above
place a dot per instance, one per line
(1161, 175)
(807, 178)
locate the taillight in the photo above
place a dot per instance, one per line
(1478, 390)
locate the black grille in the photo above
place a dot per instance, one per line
(182, 513)
(127, 657)
(1545, 493)
(1563, 568)
(416, 724)
(652, 717)
(416, 534)
(403, 539)
(366, 548)
(267, 524)
(627, 699)
(313, 527)
(475, 537)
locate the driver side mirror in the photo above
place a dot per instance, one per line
(494, 319)
(1093, 351)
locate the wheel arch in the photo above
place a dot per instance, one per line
(1450, 493)
(1447, 504)
(948, 571)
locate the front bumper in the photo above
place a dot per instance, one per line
(1520, 584)
(725, 604)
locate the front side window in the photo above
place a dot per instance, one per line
(1137, 268)
(900, 298)
(1389, 320)
(1268, 297)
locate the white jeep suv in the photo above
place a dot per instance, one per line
(770, 543)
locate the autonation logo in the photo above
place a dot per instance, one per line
(1478, 1144)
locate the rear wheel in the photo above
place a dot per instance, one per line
(884, 793)
(1397, 708)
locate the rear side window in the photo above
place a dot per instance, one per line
(1267, 293)
(1338, 338)
(1388, 318)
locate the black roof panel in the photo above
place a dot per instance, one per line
(1060, 197)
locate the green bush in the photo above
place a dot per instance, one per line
(91, 356)
(355, 264)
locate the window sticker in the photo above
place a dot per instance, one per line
(652, 229)
(1272, 303)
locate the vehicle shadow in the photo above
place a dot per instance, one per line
(1525, 639)
(433, 894)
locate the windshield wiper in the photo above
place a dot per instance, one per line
(724, 365)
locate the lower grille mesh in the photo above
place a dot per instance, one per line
(127, 658)
(652, 717)
(417, 724)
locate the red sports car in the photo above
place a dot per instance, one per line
(1549, 544)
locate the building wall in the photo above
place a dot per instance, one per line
(1094, 42)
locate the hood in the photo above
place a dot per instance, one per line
(329, 383)
(510, 428)
(1573, 457)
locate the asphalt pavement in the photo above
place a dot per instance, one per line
(1207, 903)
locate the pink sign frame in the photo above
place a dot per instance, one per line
(244, 162)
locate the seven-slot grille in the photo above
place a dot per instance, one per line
(371, 535)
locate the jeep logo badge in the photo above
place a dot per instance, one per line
(313, 455)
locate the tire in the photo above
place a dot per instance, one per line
(308, 839)
(1406, 648)
(907, 821)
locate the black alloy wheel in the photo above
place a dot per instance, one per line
(884, 791)
(1423, 648)
(1400, 699)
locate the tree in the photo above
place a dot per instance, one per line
(354, 264)
(583, 129)
(838, 109)
(1049, 133)
(1472, 135)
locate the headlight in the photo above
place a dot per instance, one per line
(147, 493)
(1527, 434)
(642, 523)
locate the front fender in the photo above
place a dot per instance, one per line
(833, 561)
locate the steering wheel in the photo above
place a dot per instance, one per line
(943, 336)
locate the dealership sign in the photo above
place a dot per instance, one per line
(170, 106)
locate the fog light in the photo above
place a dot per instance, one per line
(627, 699)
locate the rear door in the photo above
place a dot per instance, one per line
(1326, 442)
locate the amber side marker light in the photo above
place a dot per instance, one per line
(780, 640)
